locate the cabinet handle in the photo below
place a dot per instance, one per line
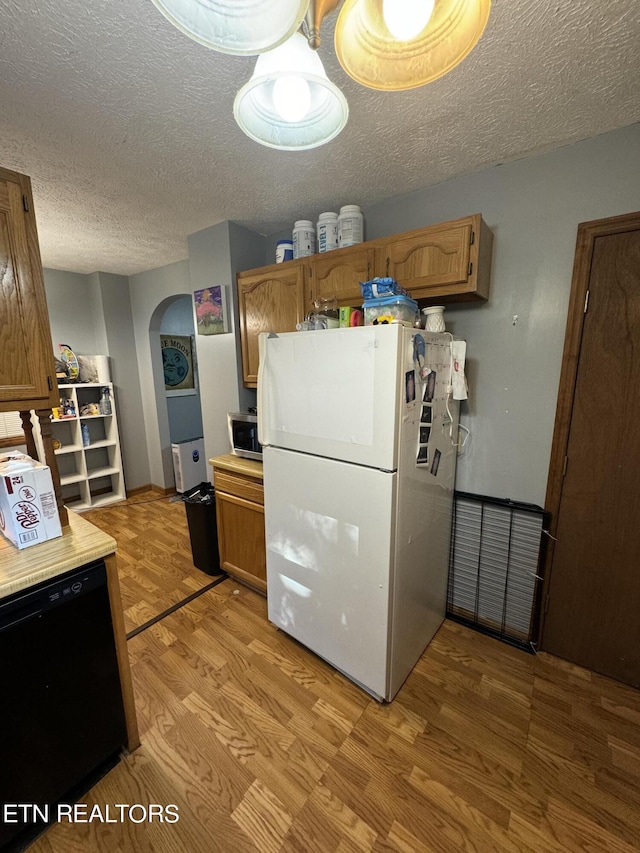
(50, 383)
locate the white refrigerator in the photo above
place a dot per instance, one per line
(358, 430)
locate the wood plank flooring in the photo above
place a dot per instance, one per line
(263, 747)
(154, 555)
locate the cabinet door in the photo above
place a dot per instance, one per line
(339, 273)
(241, 539)
(270, 299)
(26, 374)
(450, 261)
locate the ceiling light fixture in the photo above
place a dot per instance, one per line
(289, 103)
(369, 51)
(244, 27)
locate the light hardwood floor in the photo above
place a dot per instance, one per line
(154, 555)
(264, 747)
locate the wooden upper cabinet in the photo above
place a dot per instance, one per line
(27, 375)
(270, 299)
(450, 262)
(339, 273)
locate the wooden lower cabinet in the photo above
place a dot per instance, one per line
(240, 518)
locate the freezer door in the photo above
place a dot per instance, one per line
(329, 547)
(333, 393)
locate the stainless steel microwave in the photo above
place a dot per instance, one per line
(243, 435)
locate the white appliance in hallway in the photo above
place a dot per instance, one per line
(358, 433)
(189, 466)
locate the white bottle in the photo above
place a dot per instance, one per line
(327, 231)
(304, 238)
(350, 225)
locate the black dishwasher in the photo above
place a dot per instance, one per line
(61, 713)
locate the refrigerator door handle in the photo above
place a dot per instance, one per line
(263, 420)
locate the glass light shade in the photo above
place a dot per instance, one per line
(262, 114)
(371, 55)
(244, 27)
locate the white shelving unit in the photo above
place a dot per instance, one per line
(90, 476)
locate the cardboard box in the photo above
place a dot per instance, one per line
(28, 509)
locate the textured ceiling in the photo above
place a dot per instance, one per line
(126, 126)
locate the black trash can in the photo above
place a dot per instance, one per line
(200, 506)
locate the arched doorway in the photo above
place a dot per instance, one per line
(179, 411)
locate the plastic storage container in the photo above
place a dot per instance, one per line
(200, 506)
(327, 229)
(284, 251)
(304, 238)
(390, 309)
(350, 225)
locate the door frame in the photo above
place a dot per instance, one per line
(585, 243)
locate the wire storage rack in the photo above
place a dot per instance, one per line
(496, 559)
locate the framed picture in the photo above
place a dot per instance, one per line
(211, 314)
(177, 364)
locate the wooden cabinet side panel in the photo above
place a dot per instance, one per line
(25, 338)
(122, 654)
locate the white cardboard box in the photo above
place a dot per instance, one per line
(28, 509)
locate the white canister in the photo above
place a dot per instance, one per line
(350, 225)
(304, 238)
(434, 319)
(327, 231)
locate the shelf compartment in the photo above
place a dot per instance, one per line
(93, 474)
(68, 448)
(104, 500)
(66, 479)
(105, 442)
(77, 505)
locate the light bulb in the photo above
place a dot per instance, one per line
(406, 18)
(291, 97)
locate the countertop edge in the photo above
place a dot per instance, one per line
(80, 543)
(237, 465)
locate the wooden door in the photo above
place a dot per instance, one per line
(593, 584)
(26, 377)
(270, 299)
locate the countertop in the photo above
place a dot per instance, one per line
(238, 465)
(79, 544)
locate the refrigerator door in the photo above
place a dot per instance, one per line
(426, 475)
(333, 393)
(329, 537)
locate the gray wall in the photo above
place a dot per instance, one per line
(92, 313)
(247, 251)
(71, 312)
(533, 207)
(151, 293)
(123, 361)
(184, 412)
(215, 254)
